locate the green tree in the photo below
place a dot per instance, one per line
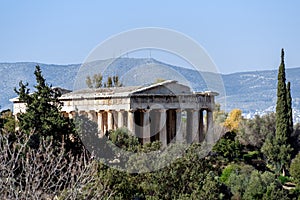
(295, 168)
(116, 81)
(275, 191)
(109, 82)
(219, 115)
(281, 105)
(7, 121)
(89, 82)
(258, 184)
(253, 132)
(238, 180)
(42, 117)
(97, 80)
(212, 187)
(122, 138)
(228, 147)
(227, 171)
(277, 148)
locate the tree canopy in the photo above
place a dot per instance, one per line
(43, 116)
(97, 81)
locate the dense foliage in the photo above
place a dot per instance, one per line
(43, 118)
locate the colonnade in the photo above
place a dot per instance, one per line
(165, 125)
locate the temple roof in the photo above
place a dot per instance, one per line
(168, 87)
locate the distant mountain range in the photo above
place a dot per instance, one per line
(254, 92)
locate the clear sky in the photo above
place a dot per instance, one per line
(238, 35)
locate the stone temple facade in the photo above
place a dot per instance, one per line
(165, 111)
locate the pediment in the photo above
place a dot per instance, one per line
(168, 87)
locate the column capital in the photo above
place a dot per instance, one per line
(192, 109)
(162, 110)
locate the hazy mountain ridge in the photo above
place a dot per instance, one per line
(253, 92)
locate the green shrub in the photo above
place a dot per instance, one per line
(227, 171)
(228, 147)
(295, 168)
(251, 155)
(283, 179)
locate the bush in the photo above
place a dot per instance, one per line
(122, 138)
(258, 184)
(295, 168)
(251, 155)
(228, 147)
(275, 191)
(239, 179)
(283, 179)
(227, 172)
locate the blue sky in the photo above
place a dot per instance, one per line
(238, 35)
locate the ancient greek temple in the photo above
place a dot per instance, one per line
(165, 111)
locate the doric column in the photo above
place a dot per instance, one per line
(209, 120)
(115, 119)
(109, 120)
(104, 121)
(179, 133)
(146, 126)
(100, 123)
(120, 118)
(130, 121)
(189, 125)
(195, 131)
(192, 125)
(171, 124)
(201, 127)
(154, 125)
(163, 128)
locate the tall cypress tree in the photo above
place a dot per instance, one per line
(277, 147)
(283, 148)
(281, 105)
